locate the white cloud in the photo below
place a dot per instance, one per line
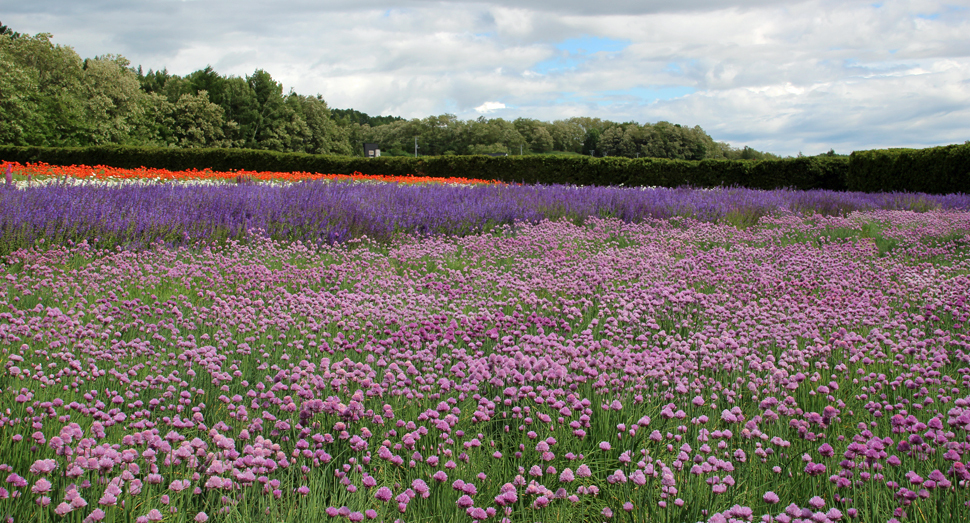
(783, 76)
(489, 107)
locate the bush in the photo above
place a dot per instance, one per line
(937, 170)
(796, 173)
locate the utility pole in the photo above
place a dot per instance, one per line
(520, 149)
(415, 146)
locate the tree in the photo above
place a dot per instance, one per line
(325, 136)
(265, 114)
(197, 122)
(43, 92)
(617, 141)
(20, 115)
(113, 105)
(591, 142)
(541, 141)
(567, 135)
(6, 31)
(495, 148)
(207, 80)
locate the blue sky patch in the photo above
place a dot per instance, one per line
(647, 94)
(559, 63)
(573, 52)
(633, 95)
(587, 45)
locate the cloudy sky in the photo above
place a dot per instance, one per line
(780, 76)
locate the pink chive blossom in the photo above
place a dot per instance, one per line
(383, 494)
(43, 466)
(41, 486)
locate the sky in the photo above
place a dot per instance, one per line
(786, 77)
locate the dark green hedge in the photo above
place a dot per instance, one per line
(937, 170)
(797, 173)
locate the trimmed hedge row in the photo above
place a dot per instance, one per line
(936, 170)
(797, 173)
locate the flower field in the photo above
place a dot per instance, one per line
(44, 172)
(487, 353)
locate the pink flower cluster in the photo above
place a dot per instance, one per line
(791, 371)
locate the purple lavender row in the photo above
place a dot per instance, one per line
(326, 213)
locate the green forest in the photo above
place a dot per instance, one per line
(50, 96)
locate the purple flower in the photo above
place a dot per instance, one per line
(383, 494)
(770, 497)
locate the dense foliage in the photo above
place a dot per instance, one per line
(803, 173)
(938, 170)
(50, 96)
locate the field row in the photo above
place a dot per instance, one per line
(668, 370)
(25, 175)
(136, 215)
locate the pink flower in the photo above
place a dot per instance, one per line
(201, 517)
(42, 486)
(43, 466)
(383, 494)
(63, 509)
(605, 445)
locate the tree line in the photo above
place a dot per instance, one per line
(50, 96)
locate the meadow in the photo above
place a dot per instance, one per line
(481, 353)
